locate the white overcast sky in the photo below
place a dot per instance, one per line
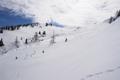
(66, 11)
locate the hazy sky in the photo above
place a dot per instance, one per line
(69, 12)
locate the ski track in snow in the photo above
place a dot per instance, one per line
(100, 73)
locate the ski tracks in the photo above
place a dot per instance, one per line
(100, 73)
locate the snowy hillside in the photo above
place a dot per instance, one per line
(81, 41)
(90, 53)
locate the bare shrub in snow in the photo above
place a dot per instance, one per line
(52, 41)
(36, 36)
(17, 42)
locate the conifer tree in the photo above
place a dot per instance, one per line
(111, 20)
(39, 33)
(118, 14)
(1, 42)
(1, 30)
(44, 33)
(26, 41)
(66, 40)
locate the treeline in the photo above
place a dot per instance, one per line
(16, 27)
(112, 19)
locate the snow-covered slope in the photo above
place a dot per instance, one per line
(91, 53)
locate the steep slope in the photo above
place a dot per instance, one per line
(91, 53)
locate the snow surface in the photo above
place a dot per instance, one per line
(91, 53)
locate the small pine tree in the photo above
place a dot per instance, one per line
(46, 24)
(1, 30)
(1, 42)
(118, 14)
(66, 40)
(17, 27)
(111, 20)
(39, 33)
(43, 51)
(44, 33)
(12, 28)
(26, 41)
(8, 28)
(16, 57)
